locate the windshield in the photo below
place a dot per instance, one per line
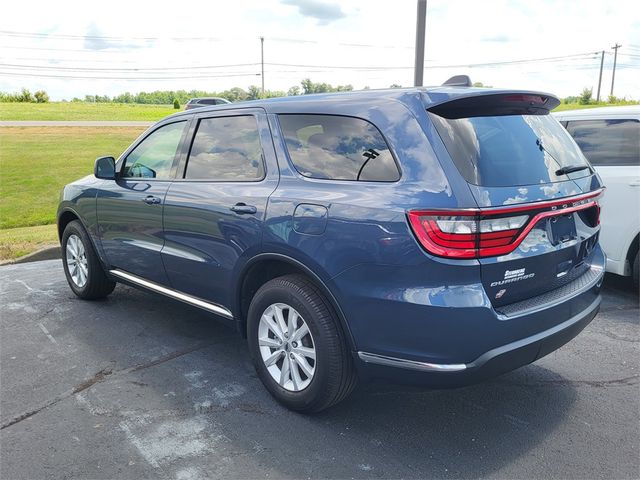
(508, 150)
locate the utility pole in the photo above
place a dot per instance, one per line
(615, 58)
(420, 29)
(262, 61)
(600, 79)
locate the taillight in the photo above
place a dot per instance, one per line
(466, 234)
(475, 233)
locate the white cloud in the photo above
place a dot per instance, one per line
(325, 12)
(142, 35)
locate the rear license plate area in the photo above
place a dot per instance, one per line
(561, 229)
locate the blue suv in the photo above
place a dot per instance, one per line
(432, 235)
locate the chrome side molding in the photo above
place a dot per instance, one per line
(183, 297)
(410, 364)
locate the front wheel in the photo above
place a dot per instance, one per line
(82, 267)
(297, 345)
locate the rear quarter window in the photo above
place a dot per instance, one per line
(608, 142)
(332, 147)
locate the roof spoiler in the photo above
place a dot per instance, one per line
(496, 104)
(458, 81)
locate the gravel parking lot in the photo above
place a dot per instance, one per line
(138, 386)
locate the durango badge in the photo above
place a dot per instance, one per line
(511, 276)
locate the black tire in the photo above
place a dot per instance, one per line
(636, 272)
(97, 285)
(335, 375)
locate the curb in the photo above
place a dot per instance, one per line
(45, 253)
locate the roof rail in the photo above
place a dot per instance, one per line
(458, 81)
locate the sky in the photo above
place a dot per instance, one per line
(72, 48)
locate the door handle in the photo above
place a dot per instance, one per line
(151, 200)
(243, 208)
(635, 183)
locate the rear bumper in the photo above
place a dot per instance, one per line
(492, 363)
(452, 335)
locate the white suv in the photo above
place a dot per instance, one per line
(610, 139)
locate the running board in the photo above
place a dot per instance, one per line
(183, 297)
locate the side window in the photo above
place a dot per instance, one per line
(333, 147)
(226, 149)
(608, 142)
(154, 156)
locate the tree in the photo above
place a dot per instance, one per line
(585, 96)
(41, 96)
(176, 104)
(236, 94)
(395, 85)
(25, 96)
(295, 90)
(311, 87)
(253, 93)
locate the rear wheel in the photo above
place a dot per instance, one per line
(297, 345)
(82, 267)
(636, 271)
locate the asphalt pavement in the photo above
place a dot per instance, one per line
(138, 386)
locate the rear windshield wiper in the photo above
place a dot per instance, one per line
(571, 169)
(562, 170)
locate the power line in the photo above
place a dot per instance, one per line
(306, 67)
(6, 33)
(463, 65)
(77, 77)
(60, 49)
(96, 69)
(9, 33)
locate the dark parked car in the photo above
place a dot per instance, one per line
(431, 235)
(205, 102)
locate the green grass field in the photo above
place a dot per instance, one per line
(83, 111)
(35, 163)
(16, 242)
(123, 111)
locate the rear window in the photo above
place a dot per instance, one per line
(332, 147)
(608, 142)
(507, 150)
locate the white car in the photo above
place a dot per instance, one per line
(610, 139)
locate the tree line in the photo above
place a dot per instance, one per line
(237, 94)
(167, 97)
(25, 96)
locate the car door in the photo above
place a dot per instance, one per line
(213, 215)
(129, 209)
(612, 145)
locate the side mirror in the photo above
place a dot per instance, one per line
(105, 168)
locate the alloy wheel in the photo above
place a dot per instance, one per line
(287, 347)
(77, 263)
